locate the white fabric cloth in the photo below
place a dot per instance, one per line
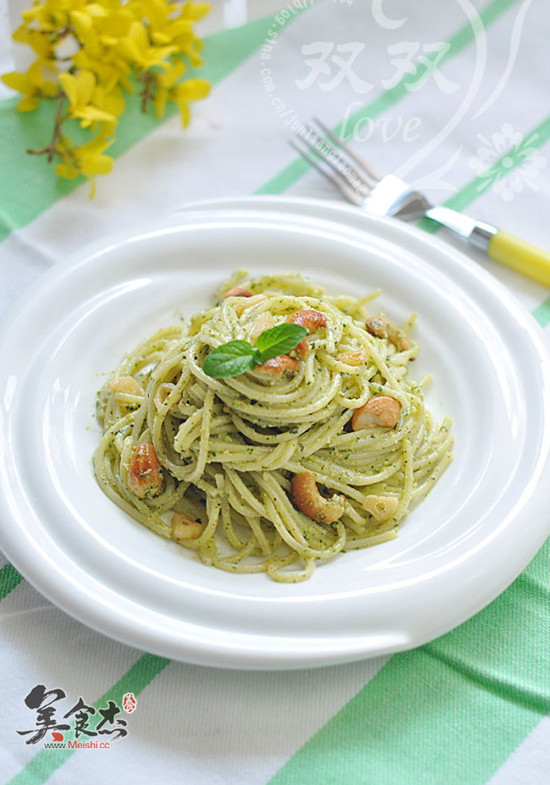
(204, 726)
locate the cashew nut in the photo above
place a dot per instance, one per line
(380, 507)
(382, 410)
(185, 528)
(264, 321)
(127, 385)
(383, 328)
(277, 366)
(355, 358)
(237, 291)
(307, 498)
(144, 472)
(311, 320)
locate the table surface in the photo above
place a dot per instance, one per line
(451, 95)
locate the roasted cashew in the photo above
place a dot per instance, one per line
(144, 472)
(185, 528)
(237, 291)
(277, 366)
(263, 322)
(355, 358)
(382, 410)
(383, 328)
(307, 498)
(127, 385)
(311, 320)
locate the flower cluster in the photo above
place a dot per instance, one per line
(89, 53)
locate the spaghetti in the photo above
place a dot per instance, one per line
(236, 468)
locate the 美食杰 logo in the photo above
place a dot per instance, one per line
(60, 725)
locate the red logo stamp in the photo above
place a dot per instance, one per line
(129, 702)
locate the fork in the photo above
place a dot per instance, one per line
(391, 196)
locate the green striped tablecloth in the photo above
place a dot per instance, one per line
(449, 93)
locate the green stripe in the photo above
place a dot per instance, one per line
(140, 675)
(28, 185)
(542, 313)
(450, 712)
(389, 98)
(9, 579)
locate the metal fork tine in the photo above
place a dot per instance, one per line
(328, 171)
(335, 161)
(333, 156)
(368, 173)
(327, 168)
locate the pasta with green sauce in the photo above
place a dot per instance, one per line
(316, 451)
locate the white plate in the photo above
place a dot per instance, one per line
(476, 531)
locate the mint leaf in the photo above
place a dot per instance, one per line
(236, 357)
(279, 340)
(231, 359)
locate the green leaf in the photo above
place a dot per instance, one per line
(236, 357)
(279, 340)
(231, 359)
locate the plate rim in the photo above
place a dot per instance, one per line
(279, 204)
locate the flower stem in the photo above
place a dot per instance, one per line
(149, 82)
(51, 150)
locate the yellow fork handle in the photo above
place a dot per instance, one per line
(521, 256)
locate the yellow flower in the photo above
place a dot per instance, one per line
(187, 42)
(32, 85)
(79, 90)
(165, 86)
(98, 28)
(166, 24)
(96, 10)
(169, 88)
(89, 52)
(38, 42)
(191, 90)
(137, 48)
(195, 11)
(82, 24)
(107, 70)
(87, 160)
(189, 45)
(51, 16)
(44, 17)
(111, 101)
